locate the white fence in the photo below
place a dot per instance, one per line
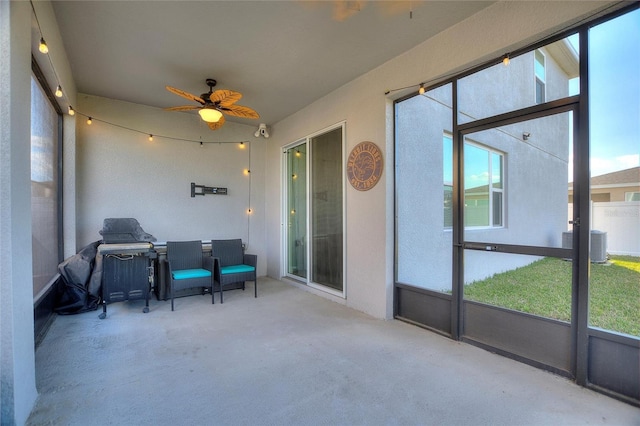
(621, 221)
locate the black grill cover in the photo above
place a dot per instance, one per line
(124, 230)
(78, 289)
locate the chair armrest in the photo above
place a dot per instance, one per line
(216, 268)
(170, 269)
(208, 263)
(251, 260)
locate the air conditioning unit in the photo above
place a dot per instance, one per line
(598, 246)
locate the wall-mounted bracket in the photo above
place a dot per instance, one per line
(203, 190)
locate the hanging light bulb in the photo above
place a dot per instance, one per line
(89, 120)
(210, 115)
(506, 60)
(43, 48)
(201, 145)
(71, 110)
(241, 145)
(59, 91)
(150, 138)
(421, 89)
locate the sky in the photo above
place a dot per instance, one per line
(614, 86)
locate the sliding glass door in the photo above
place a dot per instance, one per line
(326, 209)
(314, 210)
(296, 178)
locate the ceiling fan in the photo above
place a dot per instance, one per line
(214, 104)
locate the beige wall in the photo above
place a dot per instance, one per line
(614, 193)
(120, 173)
(608, 193)
(368, 113)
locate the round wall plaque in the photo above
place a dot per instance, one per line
(364, 166)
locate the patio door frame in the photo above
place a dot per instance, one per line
(308, 280)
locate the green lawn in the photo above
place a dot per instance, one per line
(544, 288)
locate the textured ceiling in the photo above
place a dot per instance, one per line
(282, 55)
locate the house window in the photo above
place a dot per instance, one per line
(540, 72)
(632, 196)
(483, 186)
(447, 179)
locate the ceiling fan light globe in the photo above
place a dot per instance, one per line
(210, 115)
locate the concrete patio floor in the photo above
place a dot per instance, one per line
(288, 357)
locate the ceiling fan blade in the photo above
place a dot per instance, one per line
(185, 95)
(240, 111)
(183, 108)
(225, 97)
(345, 9)
(217, 124)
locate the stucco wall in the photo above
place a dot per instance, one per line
(17, 361)
(423, 244)
(120, 173)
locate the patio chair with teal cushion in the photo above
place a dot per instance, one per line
(232, 265)
(188, 267)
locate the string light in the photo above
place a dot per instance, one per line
(151, 135)
(249, 211)
(506, 60)
(43, 48)
(247, 172)
(421, 89)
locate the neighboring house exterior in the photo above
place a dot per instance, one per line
(615, 209)
(621, 185)
(515, 175)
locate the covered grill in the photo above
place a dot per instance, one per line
(128, 262)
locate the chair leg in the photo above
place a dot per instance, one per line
(221, 301)
(172, 298)
(255, 288)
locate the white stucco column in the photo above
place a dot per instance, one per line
(17, 357)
